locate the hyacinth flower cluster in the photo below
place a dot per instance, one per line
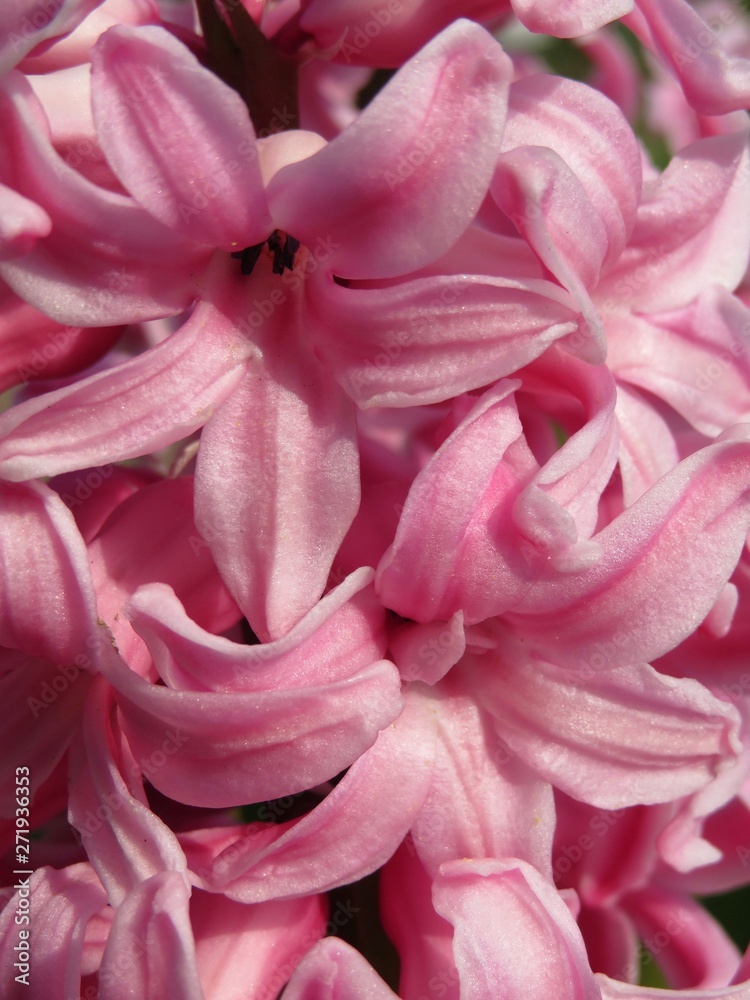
(374, 499)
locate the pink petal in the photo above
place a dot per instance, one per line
(342, 633)
(242, 951)
(693, 230)
(47, 601)
(93, 494)
(514, 936)
(698, 952)
(186, 150)
(618, 738)
(427, 652)
(27, 24)
(590, 134)
(281, 456)
(328, 96)
(155, 914)
(482, 802)
(106, 260)
(142, 404)
(727, 832)
(249, 746)
(330, 846)
(456, 531)
(569, 20)
(65, 96)
(33, 347)
(615, 71)
(43, 705)
(611, 989)
(357, 34)
(612, 942)
(560, 506)
(683, 843)
(424, 940)
(713, 81)
(506, 517)
(551, 209)
(22, 223)
(59, 903)
(695, 359)
(647, 593)
(125, 841)
(604, 854)
(429, 339)
(176, 556)
(73, 50)
(648, 449)
(333, 970)
(393, 199)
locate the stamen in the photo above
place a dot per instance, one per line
(283, 255)
(248, 257)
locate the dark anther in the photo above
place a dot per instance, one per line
(274, 244)
(248, 257)
(283, 253)
(283, 256)
(291, 246)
